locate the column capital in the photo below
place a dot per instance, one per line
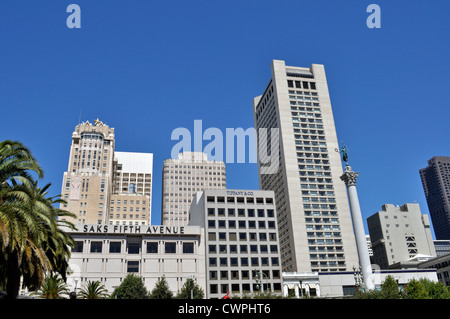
(349, 176)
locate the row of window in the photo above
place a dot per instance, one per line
(301, 84)
(243, 261)
(253, 275)
(125, 202)
(212, 236)
(134, 248)
(248, 200)
(124, 209)
(241, 212)
(242, 224)
(243, 249)
(245, 288)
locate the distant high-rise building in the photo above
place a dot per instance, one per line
(399, 234)
(436, 184)
(102, 186)
(132, 189)
(314, 220)
(191, 172)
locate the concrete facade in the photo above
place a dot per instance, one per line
(314, 218)
(399, 234)
(191, 172)
(107, 253)
(242, 251)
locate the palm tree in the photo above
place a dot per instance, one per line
(53, 288)
(32, 241)
(94, 290)
(16, 164)
(52, 243)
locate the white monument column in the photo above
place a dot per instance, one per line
(349, 177)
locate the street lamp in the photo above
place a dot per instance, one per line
(259, 279)
(359, 280)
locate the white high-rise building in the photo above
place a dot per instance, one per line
(314, 220)
(191, 172)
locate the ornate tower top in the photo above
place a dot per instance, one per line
(349, 176)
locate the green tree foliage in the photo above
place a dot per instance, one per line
(426, 289)
(389, 288)
(93, 290)
(161, 290)
(191, 290)
(132, 287)
(415, 289)
(54, 287)
(31, 240)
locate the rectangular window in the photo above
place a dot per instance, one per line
(213, 289)
(78, 247)
(134, 248)
(96, 247)
(170, 248)
(152, 248)
(133, 266)
(188, 248)
(114, 247)
(223, 262)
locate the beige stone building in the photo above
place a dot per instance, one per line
(191, 172)
(102, 186)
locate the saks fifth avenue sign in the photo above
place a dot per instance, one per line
(130, 229)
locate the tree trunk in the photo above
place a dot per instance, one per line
(13, 275)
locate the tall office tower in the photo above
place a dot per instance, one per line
(314, 220)
(98, 177)
(399, 233)
(436, 184)
(191, 172)
(87, 183)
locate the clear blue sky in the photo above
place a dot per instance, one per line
(148, 67)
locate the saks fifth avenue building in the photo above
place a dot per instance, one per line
(107, 253)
